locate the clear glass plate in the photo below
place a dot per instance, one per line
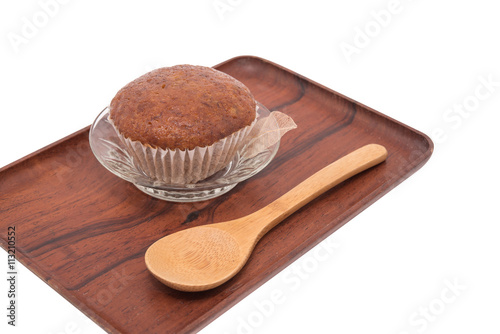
(112, 154)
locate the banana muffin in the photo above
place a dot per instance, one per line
(184, 123)
(182, 107)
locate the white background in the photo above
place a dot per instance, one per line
(393, 265)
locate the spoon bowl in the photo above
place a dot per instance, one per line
(210, 256)
(204, 257)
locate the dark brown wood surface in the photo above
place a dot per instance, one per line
(84, 231)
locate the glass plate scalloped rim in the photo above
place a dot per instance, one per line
(112, 154)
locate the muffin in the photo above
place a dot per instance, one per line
(183, 123)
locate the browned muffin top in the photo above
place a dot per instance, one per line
(182, 106)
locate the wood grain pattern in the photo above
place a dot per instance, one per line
(84, 231)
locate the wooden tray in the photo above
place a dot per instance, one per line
(84, 231)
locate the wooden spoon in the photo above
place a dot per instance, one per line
(204, 257)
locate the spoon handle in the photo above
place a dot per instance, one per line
(323, 180)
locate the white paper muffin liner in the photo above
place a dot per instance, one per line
(190, 166)
(186, 166)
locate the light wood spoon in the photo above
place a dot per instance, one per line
(204, 257)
